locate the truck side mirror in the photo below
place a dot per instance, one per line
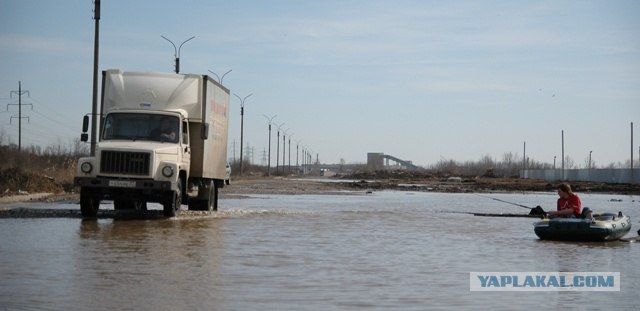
(204, 131)
(84, 137)
(85, 124)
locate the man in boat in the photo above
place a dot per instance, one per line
(569, 204)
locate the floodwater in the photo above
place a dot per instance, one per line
(386, 251)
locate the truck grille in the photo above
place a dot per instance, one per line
(120, 162)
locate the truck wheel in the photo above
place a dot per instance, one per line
(212, 197)
(172, 202)
(206, 202)
(196, 204)
(137, 205)
(120, 205)
(214, 205)
(89, 203)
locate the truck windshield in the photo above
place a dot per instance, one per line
(140, 126)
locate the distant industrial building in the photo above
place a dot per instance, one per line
(381, 161)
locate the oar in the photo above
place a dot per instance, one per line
(534, 210)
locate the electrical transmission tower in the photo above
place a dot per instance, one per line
(19, 92)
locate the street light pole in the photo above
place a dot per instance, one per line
(94, 98)
(284, 146)
(278, 147)
(589, 170)
(290, 153)
(303, 162)
(269, 156)
(241, 126)
(562, 154)
(176, 51)
(524, 157)
(297, 151)
(220, 78)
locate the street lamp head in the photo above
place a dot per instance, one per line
(270, 118)
(220, 79)
(183, 42)
(176, 51)
(242, 99)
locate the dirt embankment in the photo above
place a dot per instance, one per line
(16, 185)
(403, 180)
(15, 181)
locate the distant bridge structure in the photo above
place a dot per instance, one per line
(380, 161)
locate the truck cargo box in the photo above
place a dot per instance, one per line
(205, 102)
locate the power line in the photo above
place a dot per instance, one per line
(19, 92)
(66, 126)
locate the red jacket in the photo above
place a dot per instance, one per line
(573, 202)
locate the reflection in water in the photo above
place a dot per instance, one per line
(163, 259)
(389, 250)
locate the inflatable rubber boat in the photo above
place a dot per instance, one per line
(603, 227)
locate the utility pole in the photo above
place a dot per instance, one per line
(278, 147)
(284, 148)
(524, 157)
(290, 153)
(176, 51)
(297, 152)
(241, 126)
(20, 92)
(94, 101)
(269, 157)
(303, 159)
(234, 151)
(562, 154)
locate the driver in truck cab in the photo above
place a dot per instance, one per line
(165, 132)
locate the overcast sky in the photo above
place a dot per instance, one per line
(419, 80)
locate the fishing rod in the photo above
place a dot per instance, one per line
(503, 201)
(538, 210)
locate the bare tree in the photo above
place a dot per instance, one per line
(568, 162)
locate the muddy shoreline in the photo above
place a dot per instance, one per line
(20, 206)
(319, 185)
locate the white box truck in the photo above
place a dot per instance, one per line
(162, 138)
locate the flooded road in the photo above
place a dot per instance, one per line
(387, 251)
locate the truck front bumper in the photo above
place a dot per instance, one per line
(123, 184)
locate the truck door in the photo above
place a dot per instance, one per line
(185, 146)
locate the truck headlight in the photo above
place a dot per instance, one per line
(86, 167)
(167, 171)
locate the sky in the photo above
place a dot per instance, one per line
(423, 81)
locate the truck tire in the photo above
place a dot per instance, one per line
(172, 202)
(136, 205)
(212, 200)
(196, 204)
(89, 203)
(208, 202)
(214, 204)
